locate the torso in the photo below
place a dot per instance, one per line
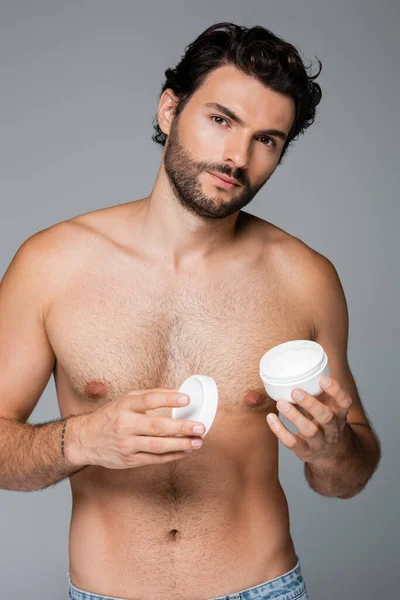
(217, 521)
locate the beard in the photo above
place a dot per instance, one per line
(184, 177)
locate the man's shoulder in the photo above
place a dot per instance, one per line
(276, 238)
(304, 264)
(63, 235)
(47, 243)
(112, 223)
(99, 217)
(59, 253)
(59, 248)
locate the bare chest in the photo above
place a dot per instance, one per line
(119, 327)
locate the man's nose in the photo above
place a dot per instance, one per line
(237, 152)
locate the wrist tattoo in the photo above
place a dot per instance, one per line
(62, 438)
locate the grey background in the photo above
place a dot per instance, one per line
(79, 89)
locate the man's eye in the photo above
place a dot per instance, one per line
(269, 140)
(272, 145)
(221, 119)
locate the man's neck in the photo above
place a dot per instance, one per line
(179, 236)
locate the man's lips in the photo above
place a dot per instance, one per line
(225, 178)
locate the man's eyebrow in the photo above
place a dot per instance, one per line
(234, 117)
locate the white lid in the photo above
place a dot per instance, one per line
(291, 361)
(203, 393)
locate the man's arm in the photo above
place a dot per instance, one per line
(348, 473)
(30, 455)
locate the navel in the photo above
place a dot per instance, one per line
(172, 535)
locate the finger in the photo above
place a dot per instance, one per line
(341, 397)
(287, 438)
(323, 413)
(152, 399)
(160, 445)
(165, 426)
(145, 390)
(143, 458)
(305, 426)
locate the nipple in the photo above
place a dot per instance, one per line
(253, 398)
(96, 389)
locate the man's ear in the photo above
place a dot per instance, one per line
(166, 110)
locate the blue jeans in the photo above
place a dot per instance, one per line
(289, 586)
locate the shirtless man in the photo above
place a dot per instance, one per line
(124, 303)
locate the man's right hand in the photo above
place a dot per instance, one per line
(120, 435)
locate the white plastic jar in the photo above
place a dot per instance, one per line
(294, 364)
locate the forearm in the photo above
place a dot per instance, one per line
(31, 457)
(347, 474)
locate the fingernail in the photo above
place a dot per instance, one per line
(325, 381)
(198, 429)
(183, 400)
(298, 394)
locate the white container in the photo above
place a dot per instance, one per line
(294, 364)
(203, 393)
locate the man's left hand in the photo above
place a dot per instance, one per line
(323, 437)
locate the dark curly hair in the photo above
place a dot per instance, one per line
(257, 52)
